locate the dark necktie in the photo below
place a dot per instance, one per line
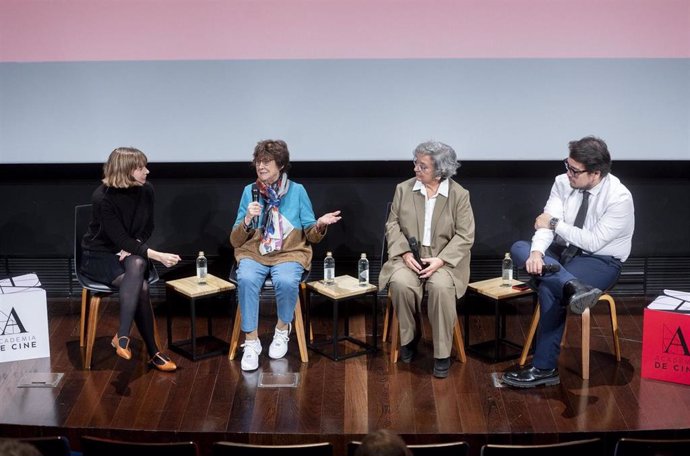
(572, 249)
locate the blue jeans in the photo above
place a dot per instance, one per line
(595, 270)
(250, 278)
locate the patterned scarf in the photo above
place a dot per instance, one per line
(275, 227)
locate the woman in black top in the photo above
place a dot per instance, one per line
(115, 248)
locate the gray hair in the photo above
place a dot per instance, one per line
(445, 161)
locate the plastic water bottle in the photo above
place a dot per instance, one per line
(363, 270)
(507, 269)
(201, 268)
(329, 269)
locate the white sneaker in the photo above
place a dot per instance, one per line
(279, 345)
(250, 357)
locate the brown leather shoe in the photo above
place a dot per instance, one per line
(122, 352)
(162, 362)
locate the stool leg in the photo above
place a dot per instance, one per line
(82, 321)
(586, 319)
(91, 329)
(235, 337)
(614, 324)
(386, 317)
(459, 344)
(530, 335)
(394, 331)
(565, 333)
(299, 332)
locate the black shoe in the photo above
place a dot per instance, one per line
(530, 376)
(408, 351)
(580, 296)
(441, 367)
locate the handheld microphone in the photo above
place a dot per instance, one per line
(550, 268)
(255, 199)
(414, 248)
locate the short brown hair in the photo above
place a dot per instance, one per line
(117, 171)
(273, 149)
(383, 443)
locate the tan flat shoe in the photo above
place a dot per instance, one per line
(122, 352)
(162, 362)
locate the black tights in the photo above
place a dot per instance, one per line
(134, 301)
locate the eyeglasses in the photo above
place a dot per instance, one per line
(264, 161)
(574, 171)
(423, 168)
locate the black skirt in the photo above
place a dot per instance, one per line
(103, 267)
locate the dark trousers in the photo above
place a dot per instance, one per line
(595, 270)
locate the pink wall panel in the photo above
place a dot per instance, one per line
(77, 30)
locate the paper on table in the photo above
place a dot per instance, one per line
(673, 301)
(19, 283)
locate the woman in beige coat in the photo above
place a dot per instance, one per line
(435, 211)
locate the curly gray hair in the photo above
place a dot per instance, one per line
(445, 161)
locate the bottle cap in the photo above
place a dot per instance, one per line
(364, 255)
(507, 255)
(329, 254)
(201, 253)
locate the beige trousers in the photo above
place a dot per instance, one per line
(406, 292)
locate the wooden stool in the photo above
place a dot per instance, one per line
(90, 309)
(298, 327)
(393, 329)
(586, 319)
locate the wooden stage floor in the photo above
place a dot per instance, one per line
(212, 399)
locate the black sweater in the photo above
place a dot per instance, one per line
(122, 220)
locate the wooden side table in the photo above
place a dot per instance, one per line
(190, 289)
(344, 289)
(499, 349)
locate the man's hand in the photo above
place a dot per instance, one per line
(542, 221)
(534, 263)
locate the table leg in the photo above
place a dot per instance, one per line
(498, 329)
(335, 329)
(192, 313)
(168, 315)
(375, 299)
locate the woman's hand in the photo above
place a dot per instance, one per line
(327, 219)
(167, 259)
(253, 210)
(123, 254)
(410, 262)
(433, 264)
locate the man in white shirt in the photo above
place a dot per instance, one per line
(584, 235)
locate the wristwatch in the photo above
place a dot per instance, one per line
(552, 223)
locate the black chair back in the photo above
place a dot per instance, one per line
(243, 449)
(384, 242)
(50, 446)
(431, 449)
(646, 447)
(591, 447)
(93, 446)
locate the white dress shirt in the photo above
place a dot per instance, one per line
(609, 224)
(429, 205)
